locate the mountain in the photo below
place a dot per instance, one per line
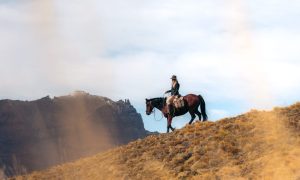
(255, 145)
(35, 135)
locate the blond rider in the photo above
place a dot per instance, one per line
(174, 92)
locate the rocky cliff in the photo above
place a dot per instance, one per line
(38, 134)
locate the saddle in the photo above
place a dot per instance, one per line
(178, 102)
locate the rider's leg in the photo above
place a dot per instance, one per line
(170, 107)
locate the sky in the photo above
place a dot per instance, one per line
(239, 55)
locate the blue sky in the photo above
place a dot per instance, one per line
(239, 55)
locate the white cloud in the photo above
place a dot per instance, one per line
(230, 52)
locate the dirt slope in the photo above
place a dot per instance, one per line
(256, 145)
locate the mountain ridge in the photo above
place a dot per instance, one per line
(37, 134)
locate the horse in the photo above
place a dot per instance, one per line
(191, 105)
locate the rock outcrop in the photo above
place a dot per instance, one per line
(35, 135)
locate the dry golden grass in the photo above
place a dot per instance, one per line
(256, 145)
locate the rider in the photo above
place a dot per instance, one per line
(174, 92)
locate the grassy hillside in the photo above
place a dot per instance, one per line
(256, 145)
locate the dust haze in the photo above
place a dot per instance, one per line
(246, 56)
(284, 149)
(57, 60)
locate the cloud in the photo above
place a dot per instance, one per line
(237, 55)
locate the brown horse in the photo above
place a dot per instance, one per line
(191, 105)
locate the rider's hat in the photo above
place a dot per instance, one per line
(174, 77)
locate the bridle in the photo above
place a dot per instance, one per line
(153, 108)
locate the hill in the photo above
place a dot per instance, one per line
(35, 135)
(255, 145)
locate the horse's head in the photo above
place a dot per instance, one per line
(149, 107)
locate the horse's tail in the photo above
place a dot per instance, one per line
(203, 108)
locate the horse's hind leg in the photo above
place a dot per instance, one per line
(193, 117)
(198, 114)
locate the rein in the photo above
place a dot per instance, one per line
(154, 115)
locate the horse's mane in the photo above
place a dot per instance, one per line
(160, 100)
(156, 99)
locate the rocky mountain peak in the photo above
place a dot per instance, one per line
(37, 134)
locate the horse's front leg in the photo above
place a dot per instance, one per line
(170, 127)
(173, 129)
(169, 124)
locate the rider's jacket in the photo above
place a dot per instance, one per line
(174, 90)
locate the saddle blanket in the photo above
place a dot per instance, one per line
(178, 102)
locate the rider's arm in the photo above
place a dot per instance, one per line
(168, 91)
